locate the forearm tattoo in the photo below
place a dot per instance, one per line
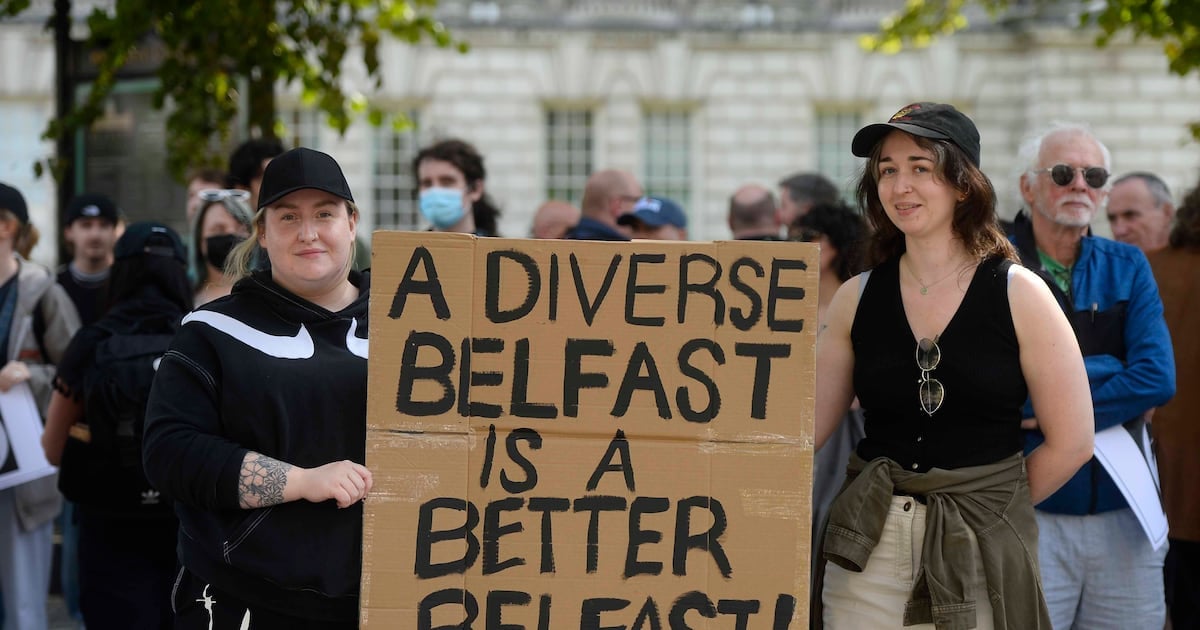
(261, 481)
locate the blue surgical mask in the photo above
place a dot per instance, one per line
(443, 207)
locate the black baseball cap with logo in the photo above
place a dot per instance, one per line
(928, 120)
(91, 205)
(298, 169)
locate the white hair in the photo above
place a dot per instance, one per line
(1027, 155)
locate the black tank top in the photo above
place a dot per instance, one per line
(980, 417)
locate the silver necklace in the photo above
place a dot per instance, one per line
(925, 287)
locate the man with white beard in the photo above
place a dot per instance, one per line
(1099, 570)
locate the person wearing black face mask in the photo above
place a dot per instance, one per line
(221, 223)
(217, 248)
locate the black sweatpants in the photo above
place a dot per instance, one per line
(126, 569)
(202, 606)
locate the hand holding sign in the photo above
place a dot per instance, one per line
(345, 482)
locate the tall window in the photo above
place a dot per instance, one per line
(667, 150)
(835, 129)
(302, 127)
(395, 183)
(124, 156)
(568, 153)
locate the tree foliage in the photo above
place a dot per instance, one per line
(223, 57)
(1175, 24)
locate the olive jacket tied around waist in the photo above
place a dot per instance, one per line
(991, 502)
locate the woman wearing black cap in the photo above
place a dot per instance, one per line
(256, 426)
(942, 341)
(126, 531)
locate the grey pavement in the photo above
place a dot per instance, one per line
(56, 610)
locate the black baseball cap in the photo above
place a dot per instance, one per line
(91, 205)
(12, 200)
(928, 120)
(298, 169)
(149, 238)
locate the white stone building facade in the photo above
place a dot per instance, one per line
(694, 112)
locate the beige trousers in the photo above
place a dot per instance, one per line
(875, 598)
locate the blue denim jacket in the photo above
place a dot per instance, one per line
(1117, 315)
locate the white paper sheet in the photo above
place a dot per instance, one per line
(21, 455)
(1135, 472)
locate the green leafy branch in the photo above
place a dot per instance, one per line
(1175, 24)
(226, 57)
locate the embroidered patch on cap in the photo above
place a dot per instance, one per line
(903, 113)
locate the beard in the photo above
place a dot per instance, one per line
(1072, 211)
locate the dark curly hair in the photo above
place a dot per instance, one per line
(1186, 231)
(845, 229)
(975, 220)
(245, 163)
(466, 159)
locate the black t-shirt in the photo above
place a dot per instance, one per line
(980, 369)
(87, 296)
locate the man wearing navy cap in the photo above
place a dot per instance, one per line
(89, 229)
(656, 218)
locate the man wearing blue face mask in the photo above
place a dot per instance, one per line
(444, 208)
(450, 181)
(607, 195)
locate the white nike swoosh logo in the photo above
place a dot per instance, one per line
(356, 346)
(298, 346)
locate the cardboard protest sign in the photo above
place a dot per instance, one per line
(588, 435)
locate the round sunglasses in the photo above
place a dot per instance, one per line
(1064, 174)
(930, 390)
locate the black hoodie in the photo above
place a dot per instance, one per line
(264, 370)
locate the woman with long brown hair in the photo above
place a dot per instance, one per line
(942, 340)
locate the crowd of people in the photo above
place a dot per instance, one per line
(967, 371)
